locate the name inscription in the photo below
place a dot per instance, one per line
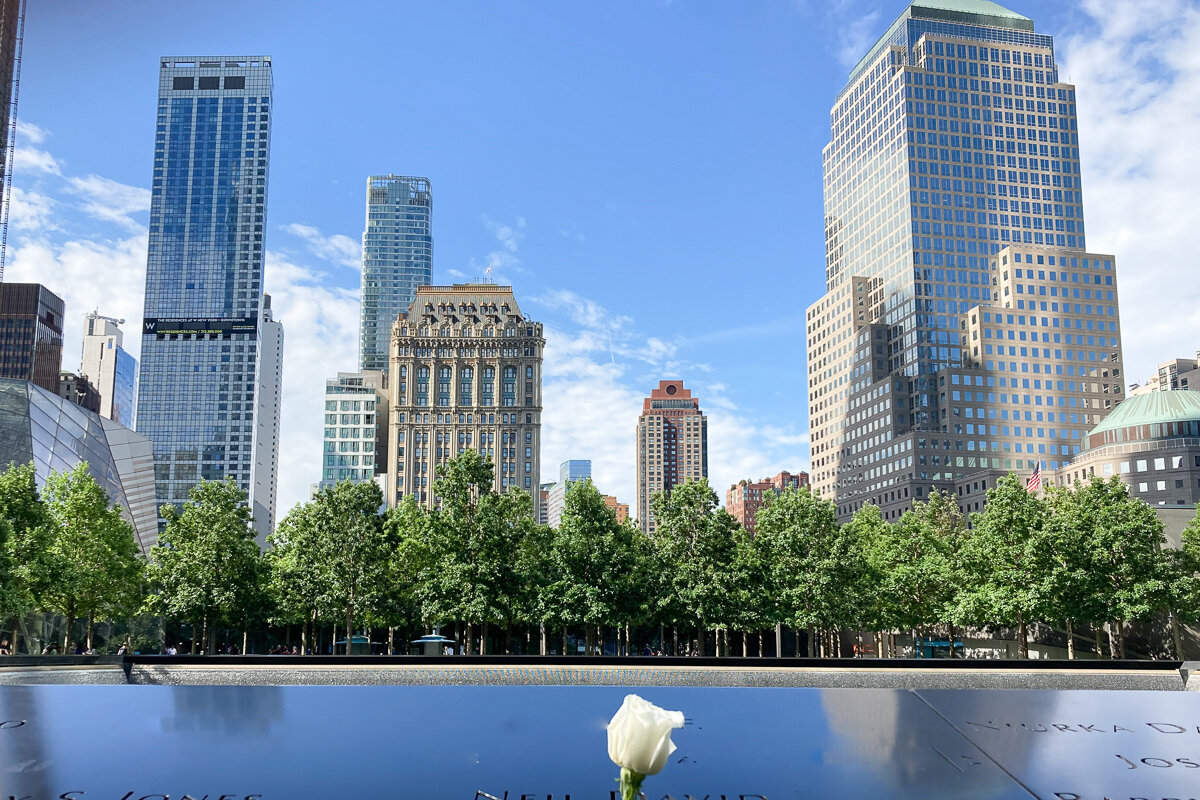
(1079, 727)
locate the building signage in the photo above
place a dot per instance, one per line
(163, 326)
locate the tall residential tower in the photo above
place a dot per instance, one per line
(199, 392)
(397, 258)
(966, 331)
(672, 444)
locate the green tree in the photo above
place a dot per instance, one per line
(26, 547)
(1063, 566)
(875, 609)
(295, 573)
(352, 550)
(594, 564)
(95, 565)
(1127, 570)
(469, 558)
(695, 548)
(942, 515)
(1003, 582)
(1185, 581)
(409, 527)
(207, 568)
(806, 561)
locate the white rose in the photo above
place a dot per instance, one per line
(639, 735)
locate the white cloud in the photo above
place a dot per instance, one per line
(854, 29)
(336, 248)
(508, 235)
(1139, 107)
(109, 276)
(497, 263)
(112, 201)
(31, 159)
(320, 329)
(27, 131)
(31, 211)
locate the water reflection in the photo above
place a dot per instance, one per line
(896, 737)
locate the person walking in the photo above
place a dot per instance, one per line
(5, 650)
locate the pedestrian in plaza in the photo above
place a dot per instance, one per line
(5, 650)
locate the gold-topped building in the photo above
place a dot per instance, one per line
(465, 373)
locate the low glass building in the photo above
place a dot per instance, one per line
(55, 434)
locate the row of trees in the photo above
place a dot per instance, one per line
(1085, 557)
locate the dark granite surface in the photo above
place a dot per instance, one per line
(520, 741)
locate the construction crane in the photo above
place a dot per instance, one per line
(12, 138)
(97, 315)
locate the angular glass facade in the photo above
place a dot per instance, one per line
(952, 193)
(397, 258)
(204, 272)
(55, 434)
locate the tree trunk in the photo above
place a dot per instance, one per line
(1176, 639)
(194, 637)
(951, 628)
(701, 638)
(745, 644)
(1119, 640)
(1099, 645)
(91, 629)
(589, 639)
(542, 638)
(391, 640)
(349, 632)
(674, 640)
(565, 631)
(811, 632)
(483, 639)
(245, 641)
(70, 625)
(628, 635)
(1023, 635)
(1070, 640)
(779, 640)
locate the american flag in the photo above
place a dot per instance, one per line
(1034, 482)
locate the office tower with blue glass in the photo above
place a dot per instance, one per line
(966, 331)
(568, 473)
(204, 312)
(397, 258)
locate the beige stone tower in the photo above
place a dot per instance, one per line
(465, 373)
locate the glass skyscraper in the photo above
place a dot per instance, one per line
(397, 258)
(965, 330)
(204, 273)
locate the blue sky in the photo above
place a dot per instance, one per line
(645, 174)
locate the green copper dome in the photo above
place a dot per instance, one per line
(1178, 405)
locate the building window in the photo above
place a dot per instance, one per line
(466, 376)
(443, 386)
(423, 386)
(487, 392)
(510, 386)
